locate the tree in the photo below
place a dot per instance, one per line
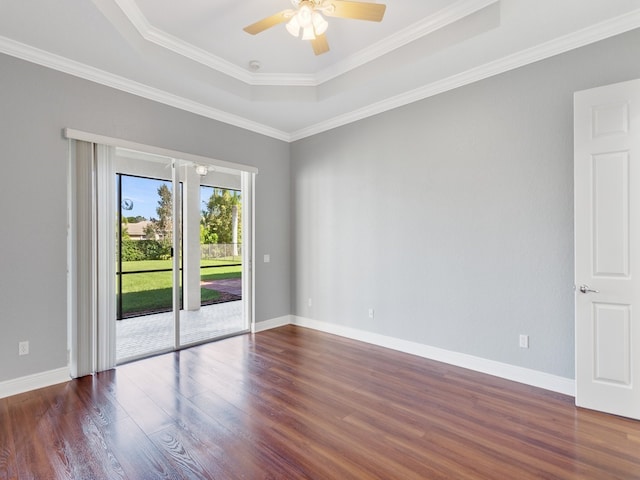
(125, 228)
(223, 208)
(164, 224)
(150, 232)
(206, 236)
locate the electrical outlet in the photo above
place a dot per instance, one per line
(524, 341)
(23, 348)
(309, 302)
(371, 313)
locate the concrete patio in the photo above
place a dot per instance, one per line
(140, 336)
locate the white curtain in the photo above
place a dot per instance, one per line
(91, 259)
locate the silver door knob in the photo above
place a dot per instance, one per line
(586, 289)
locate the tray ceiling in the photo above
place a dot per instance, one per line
(194, 54)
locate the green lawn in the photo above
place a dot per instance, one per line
(152, 291)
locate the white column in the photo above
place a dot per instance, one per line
(191, 238)
(248, 227)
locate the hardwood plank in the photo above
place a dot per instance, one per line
(97, 402)
(137, 455)
(81, 447)
(291, 453)
(33, 437)
(293, 403)
(185, 455)
(7, 448)
(137, 404)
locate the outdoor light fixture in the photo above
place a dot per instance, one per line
(202, 170)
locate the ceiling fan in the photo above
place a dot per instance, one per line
(307, 16)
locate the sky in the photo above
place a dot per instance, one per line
(143, 196)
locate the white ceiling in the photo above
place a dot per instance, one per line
(193, 54)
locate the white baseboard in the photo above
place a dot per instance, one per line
(33, 382)
(503, 370)
(272, 323)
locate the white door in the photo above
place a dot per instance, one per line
(607, 248)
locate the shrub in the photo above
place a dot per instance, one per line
(133, 250)
(130, 251)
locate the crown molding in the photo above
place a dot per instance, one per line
(165, 40)
(197, 54)
(580, 38)
(560, 45)
(430, 24)
(426, 26)
(283, 80)
(77, 69)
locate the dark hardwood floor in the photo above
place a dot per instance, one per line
(294, 403)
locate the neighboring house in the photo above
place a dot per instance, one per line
(136, 231)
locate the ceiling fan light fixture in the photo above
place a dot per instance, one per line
(320, 25)
(305, 14)
(293, 26)
(307, 33)
(308, 16)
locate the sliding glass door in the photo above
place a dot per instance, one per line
(213, 262)
(144, 266)
(179, 254)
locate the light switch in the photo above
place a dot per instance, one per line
(267, 258)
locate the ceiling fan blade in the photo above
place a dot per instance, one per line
(357, 10)
(268, 22)
(320, 44)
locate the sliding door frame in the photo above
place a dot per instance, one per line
(92, 343)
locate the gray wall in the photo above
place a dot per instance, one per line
(36, 104)
(453, 217)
